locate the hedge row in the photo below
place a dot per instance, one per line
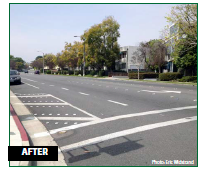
(188, 79)
(143, 75)
(77, 72)
(170, 76)
(161, 76)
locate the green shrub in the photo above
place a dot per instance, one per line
(188, 79)
(92, 72)
(64, 72)
(48, 72)
(71, 72)
(101, 73)
(143, 75)
(169, 76)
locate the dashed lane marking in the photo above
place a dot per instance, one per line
(123, 104)
(83, 93)
(31, 85)
(29, 79)
(65, 89)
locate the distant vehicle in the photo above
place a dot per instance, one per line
(26, 71)
(15, 77)
(37, 72)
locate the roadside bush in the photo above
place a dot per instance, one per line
(77, 72)
(71, 72)
(101, 73)
(48, 72)
(169, 76)
(64, 72)
(92, 72)
(188, 79)
(143, 75)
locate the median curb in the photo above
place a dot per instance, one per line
(22, 131)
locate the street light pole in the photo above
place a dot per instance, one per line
(83, 57)
(43, 60)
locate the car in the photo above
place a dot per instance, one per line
(15, 77)
(37, 72)
(26, 71)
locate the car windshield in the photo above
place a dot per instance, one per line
(13, 73)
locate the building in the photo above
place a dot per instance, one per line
(125, 62)
(173, 34)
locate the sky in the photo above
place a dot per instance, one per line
(46, 27)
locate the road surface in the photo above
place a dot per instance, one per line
(101, 122)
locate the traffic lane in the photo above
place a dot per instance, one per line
(23, 88)
(82, 85)
(101, 129)
(157, 86)
(97, 101)
(177, 142)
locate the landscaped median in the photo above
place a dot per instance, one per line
(171, 77)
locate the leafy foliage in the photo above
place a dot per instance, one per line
(169, 76)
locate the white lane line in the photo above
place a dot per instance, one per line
(162, 91)
(42, 83)
(65, 89)
(31, 85)
(121, 117)
(29, 80)
(117, 102)
(83, 111)
(83, 93)
(51, 85)
(125, 133)
(67, 118)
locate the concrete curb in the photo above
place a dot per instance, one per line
(24, 137)
(34, 126)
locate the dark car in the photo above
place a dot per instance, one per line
(15, 77)
(26, 71)
(37, 72)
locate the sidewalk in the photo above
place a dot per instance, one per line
(18, 136)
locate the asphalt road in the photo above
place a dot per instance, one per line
(101, 122)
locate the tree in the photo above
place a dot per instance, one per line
(111, 34)
(16, 63)
(60, 61)
(142, 54)
(184, 41)
(102, 43)
(49, 60)
(157, 52)
(185, 18)
(185, 56)
(38, 57)
(19, 66)
(12, 62)
(37, 64)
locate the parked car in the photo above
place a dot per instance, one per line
(26, 71)
(37, 72)
(15, 77)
